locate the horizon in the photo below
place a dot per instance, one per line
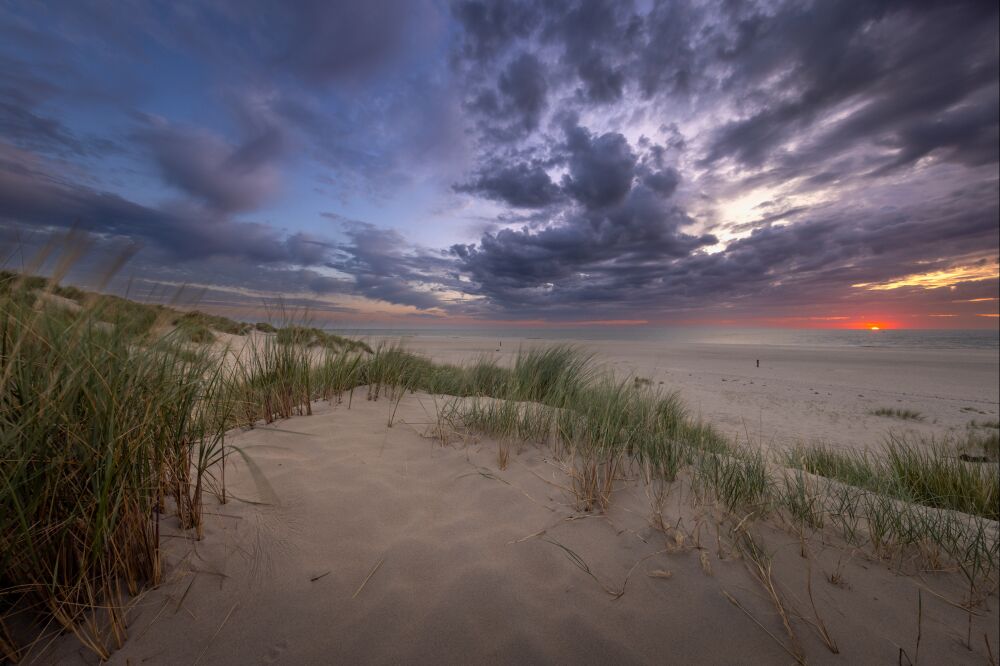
(396, 164)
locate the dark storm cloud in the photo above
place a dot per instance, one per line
(813, 261)
(614, 235)
(604, 48)
(591, 34)
(520, 185)
(912, 79)
(664, 181)
(523, 91)
(613, 134)
(601, 168)
(489, 27)
(922, 78)
(667, 58)
(637, 230)
(819, 94)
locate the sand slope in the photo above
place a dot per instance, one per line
(463, 572)
(798, 394)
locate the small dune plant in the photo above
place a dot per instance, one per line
(897, 413)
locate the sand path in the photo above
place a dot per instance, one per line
(454, 574)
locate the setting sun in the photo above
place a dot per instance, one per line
(875, 328)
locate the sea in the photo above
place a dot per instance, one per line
(899, 338)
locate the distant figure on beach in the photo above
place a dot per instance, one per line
(758, 363)
(499, 345)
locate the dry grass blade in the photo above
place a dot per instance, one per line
(797, 657)
(156, 617)
(180, 602)
(367, 578)
(818, 624)
(208, 644)
(7, 648)
(584, 567)
(527, 538)
(759, 565)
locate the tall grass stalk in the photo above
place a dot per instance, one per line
(100, 425)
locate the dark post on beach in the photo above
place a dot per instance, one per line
(758, 363)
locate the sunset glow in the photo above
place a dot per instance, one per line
(937, 279)
(426, 163)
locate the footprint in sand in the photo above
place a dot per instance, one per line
(273, 654)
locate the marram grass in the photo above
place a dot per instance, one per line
(107, 424)
(922, 472)
(99, 428)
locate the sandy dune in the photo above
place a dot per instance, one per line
(354, 542)
(798, 394)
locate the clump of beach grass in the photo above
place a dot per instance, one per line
(315, 337)
(921, 471)
(740, 479)
(898, 413)
(102, 423)
(598, 423)
(272, 380)
(212, 322)
(195, 333)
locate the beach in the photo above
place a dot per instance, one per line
(345, 540)
(499, 332)
(374, 531)
(799, 394)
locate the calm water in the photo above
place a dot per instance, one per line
(909, 338)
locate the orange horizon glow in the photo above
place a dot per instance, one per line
(837, 319)
(937, 279)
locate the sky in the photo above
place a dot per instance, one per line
(428, 163)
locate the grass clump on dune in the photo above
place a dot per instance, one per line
(202, 320)
(100, 427)
(910, 495)
(315, 337)
(921, 472)
(195, 333)
(896, 413)
(272, 380)
(555, 395)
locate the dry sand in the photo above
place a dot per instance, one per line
(798, 394)
(349, 541)
(355, 542)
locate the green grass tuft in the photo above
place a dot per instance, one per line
(904, 414)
